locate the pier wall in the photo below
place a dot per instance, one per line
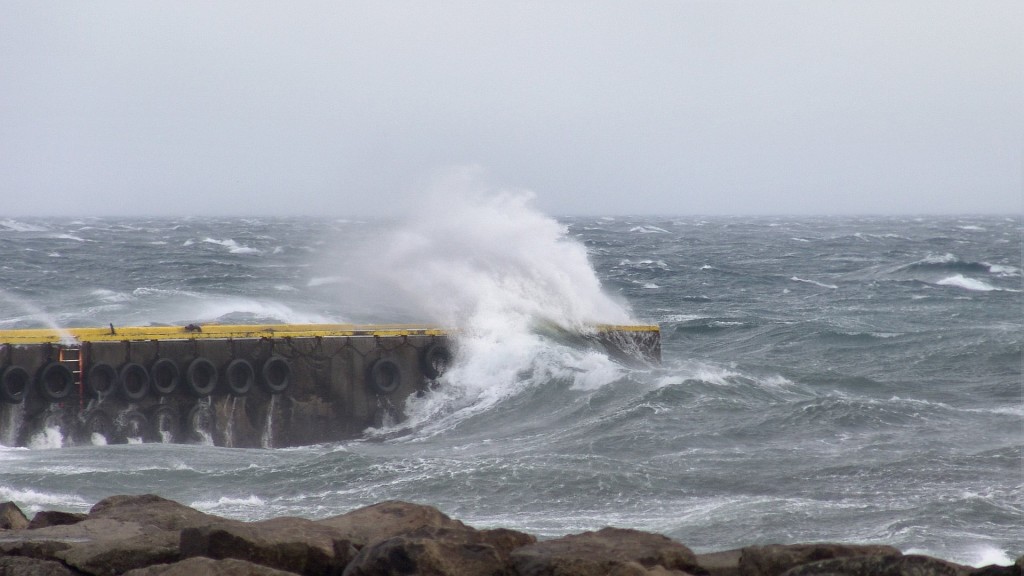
(234, 386)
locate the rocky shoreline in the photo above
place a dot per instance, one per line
(148, 535)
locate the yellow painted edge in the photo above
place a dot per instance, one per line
(212, 331)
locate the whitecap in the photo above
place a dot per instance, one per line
(69, 237)
(16, 226)
(648, 230)
(232, 246)
(961, 281)
(816, 283)
(1002, 269)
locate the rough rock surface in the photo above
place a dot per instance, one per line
(55, 518)
(910, 565)
(604, 551)
(293, 544)
(775, 559)
(208, 567)
(11, 517)
(119, 556)
(389, 519)
(21, 566)
(431, 550)
(149, 536)
(150, 510)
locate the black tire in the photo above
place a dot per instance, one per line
(240, 376)
(201, 377)
(435, 360)
(101, 380)
(384, 376)
(134, 382)
(14, 382)
(55, 382)
(165, 424)
(164, 375)
(275, 374)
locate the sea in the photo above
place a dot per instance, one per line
(844, 379)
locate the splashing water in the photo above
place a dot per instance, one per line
(39, 315)
(507, 277)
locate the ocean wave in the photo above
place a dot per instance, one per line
(815, 282)
(649, 230)
(233, 246)
(17, 226)
(31, 500)
(974, 285)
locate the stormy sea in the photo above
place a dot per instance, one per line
(849, 379)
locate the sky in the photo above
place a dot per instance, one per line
(675, 107)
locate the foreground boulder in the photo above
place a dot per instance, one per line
(773, 560)
(441, 551)
(292, 544)
(11, 517)
(48, 518)
(208, 567)
(910, 565)
(21, 566)
(389, 519)
(150, 510)
(603, 552)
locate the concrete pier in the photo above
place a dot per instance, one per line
(235, 386)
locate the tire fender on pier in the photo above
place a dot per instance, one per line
(201, 377)
(435, 360)
(240, 376)
(165, 375)
(55, 381)
(101, 379)
(275, 374)
(384, 376)
(133, 382)
(14, 381)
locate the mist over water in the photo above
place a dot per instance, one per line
(853, 379)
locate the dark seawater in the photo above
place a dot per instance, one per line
(841, 379)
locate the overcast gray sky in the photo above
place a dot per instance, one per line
(654, 107)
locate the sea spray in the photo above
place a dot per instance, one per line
(12, 416)
(267, 439)
(505, 276)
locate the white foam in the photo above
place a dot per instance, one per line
(48, 438)
(232, 246)
(965, 283)
(33, 501)
(508, 278)
(816, 283)
(15, 226)
(69, 237)
(649, 230)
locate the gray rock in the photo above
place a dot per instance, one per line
(150, 510)
(199, 566)
(602, 552)
(427, 557)
(22, 566)
(387, 520)
(292, 544)
(11, 517)
(775, 559)
(724, 563)
(910, 565)
(109, 557)
(55, 518)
